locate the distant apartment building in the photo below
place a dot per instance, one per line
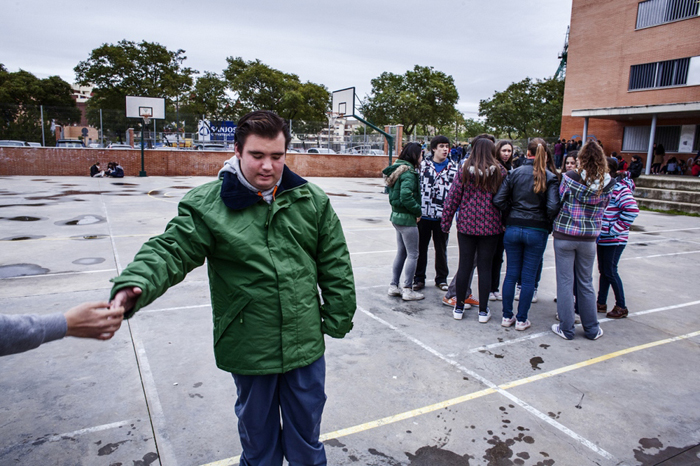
(81, 94)
(633, 75)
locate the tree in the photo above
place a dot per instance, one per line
(526, 109)
(473, 128)
(21, 96)
(145, 69)
(209, 97)
(420, 96)
(257, 86)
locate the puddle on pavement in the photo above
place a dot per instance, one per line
(336, 194)
(80, 237)
(89, 260)
(535, 363)
(24, 218)
(371, 220)
(22, 205)
(22, 238)
(636, 228)
(82, 220)
(125, 184)
(181, 187)
(21, 270)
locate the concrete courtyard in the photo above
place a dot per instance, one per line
(408, 386)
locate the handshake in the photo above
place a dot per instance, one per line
(98, 320)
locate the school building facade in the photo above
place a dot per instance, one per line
(633, 76)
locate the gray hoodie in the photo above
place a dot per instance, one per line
(20, 333)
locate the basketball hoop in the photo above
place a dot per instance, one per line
(146, 113)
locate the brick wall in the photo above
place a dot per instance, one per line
(604, 44)
(49, 161)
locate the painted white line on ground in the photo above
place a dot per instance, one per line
(111, 236)
(75, 433)
(58, 274)
(174, 308)
(603, 320)
(532, 410)
(386, 251)
(660, 255)
(635, 232)
(166, 453)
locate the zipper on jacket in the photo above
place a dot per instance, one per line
(269, 210)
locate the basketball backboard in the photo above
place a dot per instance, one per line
(344, 102)
(139, 107)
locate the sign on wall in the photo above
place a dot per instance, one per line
(216, 130)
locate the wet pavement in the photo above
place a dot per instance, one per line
(408, 386)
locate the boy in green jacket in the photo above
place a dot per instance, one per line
(271, 240)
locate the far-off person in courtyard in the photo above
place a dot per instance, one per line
(271, 241)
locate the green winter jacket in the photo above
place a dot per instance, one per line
(266, 264)
(404, 193)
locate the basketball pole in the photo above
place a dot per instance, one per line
(142, 173)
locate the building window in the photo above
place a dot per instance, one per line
(636, 138)
(654, 12)
(696, 140)
(664, 74)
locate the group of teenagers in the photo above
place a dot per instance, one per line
(587, 206)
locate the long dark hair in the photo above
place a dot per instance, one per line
(411, 153)
(481, 168)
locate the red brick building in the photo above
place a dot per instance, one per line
(633, 76)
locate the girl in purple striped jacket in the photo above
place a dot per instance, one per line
(617, 219)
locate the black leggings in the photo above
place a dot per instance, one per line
(468, 245)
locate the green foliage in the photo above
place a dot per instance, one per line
(420, 96)
(22, 94)
(209, 98)
(145, 69)
(526, 109)
(473, 128)
(257, 86)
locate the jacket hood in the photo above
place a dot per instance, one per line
(587, 194)
(624, 178)
(393, 172)
(237, 193)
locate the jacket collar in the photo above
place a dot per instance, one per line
(236, 196)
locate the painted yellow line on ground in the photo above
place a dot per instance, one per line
(472, 396)
(592, 361)
(163, 200)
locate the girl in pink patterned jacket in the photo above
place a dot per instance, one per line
(478, 223)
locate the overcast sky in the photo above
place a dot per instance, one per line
(484, 44)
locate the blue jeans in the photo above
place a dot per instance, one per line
(524, 250)
(608, 257)
(299, 396)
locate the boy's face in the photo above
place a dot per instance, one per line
(440, 152)
(262, 160)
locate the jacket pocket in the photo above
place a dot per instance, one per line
(229, 312)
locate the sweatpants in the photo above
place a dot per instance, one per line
(574, 261)
(406, 255)
(299, 396)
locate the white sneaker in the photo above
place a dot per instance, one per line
(492, 297)
(394, 290)
(485, 316)
(534, 296)
(409, 295)
(505, 322)
(600, 333)
(517, 293)
(522, 325)
(458, 313)
(557, 330)
(499, 296)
